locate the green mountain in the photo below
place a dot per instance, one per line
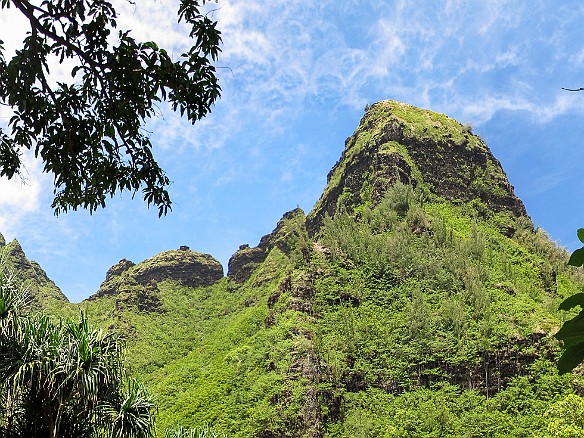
(415, 299)
(43, 292)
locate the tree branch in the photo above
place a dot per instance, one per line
(27, 9)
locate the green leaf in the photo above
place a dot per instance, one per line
(151, 45)
(573, 301)
(571, 331)
(571, 358)
(577, 258)
(573, 339)
(581, 234)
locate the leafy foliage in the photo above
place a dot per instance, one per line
(63, 379)
(572, 332)
(89, 131)
(413, 317)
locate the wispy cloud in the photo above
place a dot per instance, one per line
(21, 195)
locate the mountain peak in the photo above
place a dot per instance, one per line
(399, 142)
(42, 289)
(183, 266)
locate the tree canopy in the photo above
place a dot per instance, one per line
(89, 131)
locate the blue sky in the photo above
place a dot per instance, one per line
(296, 78)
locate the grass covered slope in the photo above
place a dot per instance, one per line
(409, 303)
(416, 299)
(418, 319)
(452, 328)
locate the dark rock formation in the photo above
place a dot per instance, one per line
(185, 267)
(243, 263)
(117, 269)
(182, 266)
(398, 142)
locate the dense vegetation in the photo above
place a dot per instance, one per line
(398, 308)
(63, 379)
(418, 319)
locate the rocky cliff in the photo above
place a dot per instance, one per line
(182, 266)
(398, 142)
(246, 259)
(40, 287)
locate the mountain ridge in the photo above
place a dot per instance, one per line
(415, 299)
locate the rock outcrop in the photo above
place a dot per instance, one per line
(117, 269)
(399, 142)
(183, 266)
(243, 263)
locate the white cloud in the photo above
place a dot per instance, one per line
(21, 196)
(24, 191)
(14, 26)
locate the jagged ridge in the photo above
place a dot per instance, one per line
(364, 319)
(42, 290)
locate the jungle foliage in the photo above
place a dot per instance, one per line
(411, 317)
(65, 378)
(89, 130)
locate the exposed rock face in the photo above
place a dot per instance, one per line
(246, 259)
(140, 280)
(122, 266)
(35, 278)
(398, 142)
(186, 267)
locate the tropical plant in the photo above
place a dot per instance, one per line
(88, 130)
(63, 379)
(572, 332)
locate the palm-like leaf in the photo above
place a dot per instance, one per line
(63, 379)
(197, 432)
(131, 414)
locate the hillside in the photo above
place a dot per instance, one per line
(415, 299)
(42, 291)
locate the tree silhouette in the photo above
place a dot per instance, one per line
(89, 131)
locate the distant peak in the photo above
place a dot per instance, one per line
(40, 286)
(182, 266)
(399, 142)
